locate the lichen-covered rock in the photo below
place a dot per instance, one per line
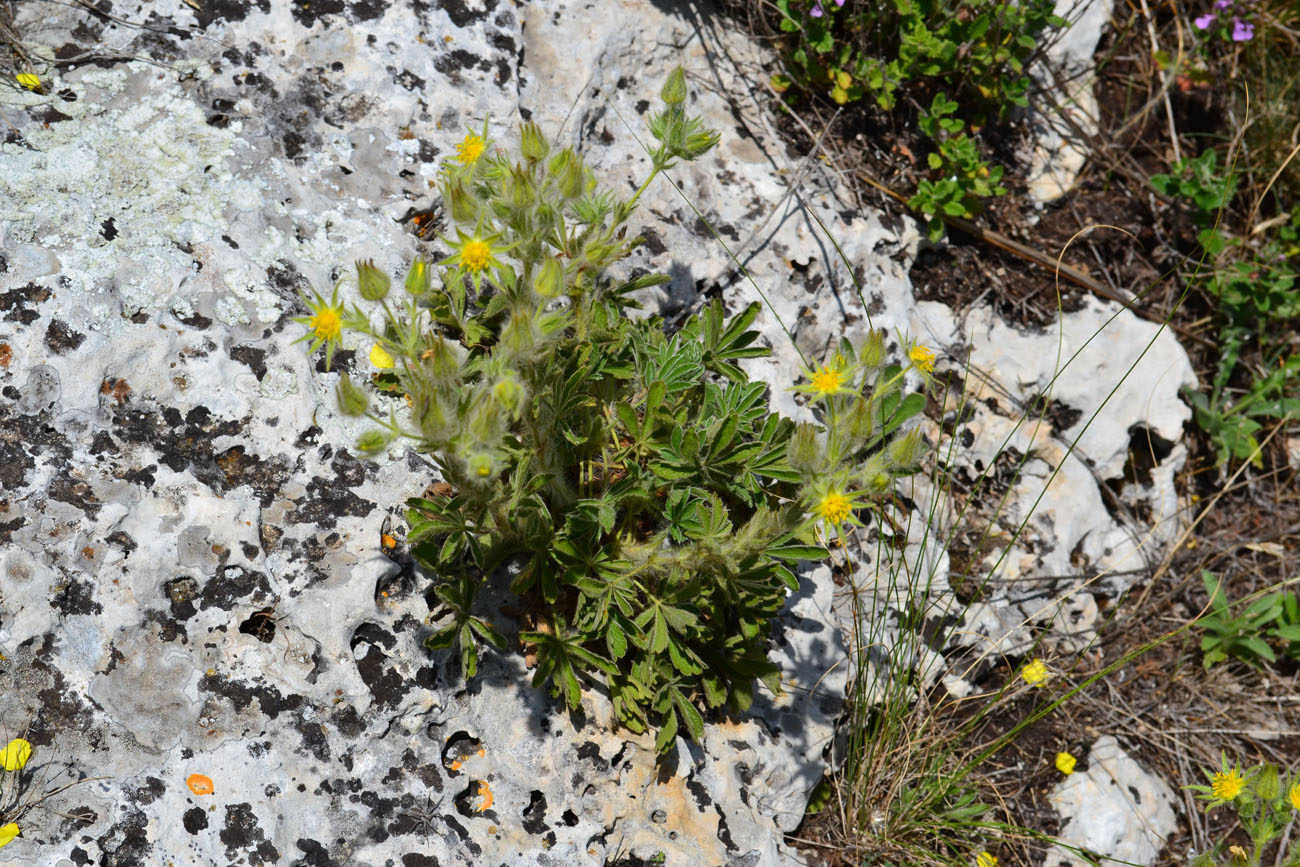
(194, 579)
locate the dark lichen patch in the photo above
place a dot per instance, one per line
(386, 685)
(457, 61)
(474, 848)
(240, 831)
(61, 339)
(308, 12)
(327, 500)
(169, 628)
(228, 10)
(314, 854)
(60, 707)
(415, 859)
(152, 790)
(265, 477)
(367, 10)
(313, 737)
(195, 819)
(8, 528)
(18, 305)
(242, 693)
(462, 15)
(253, 357)
(76, 596)
(186, 443)
(15, 462)
(75, 492)
(233, 584)
(126, 842)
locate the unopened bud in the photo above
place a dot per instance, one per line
(373, 441)
(548, 282)
(872, 354)
(674, 89)
(417, 279)
(352, 399)
(1267, 785)
(905, 450)
(509, 392)
(460, 204)
(533, 143)
(804, 453)
(372, 282)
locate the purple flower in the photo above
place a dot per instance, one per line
(1220, 5)
(1242, 31)
(1204, 21)
(839, 2)
(817, 11)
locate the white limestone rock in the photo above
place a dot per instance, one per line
(1114, 809)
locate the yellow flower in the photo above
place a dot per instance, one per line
(1294, 795)
(1035, 673)
(380, 358)
(984, 859)
(475, 255)
(1065, 763)
(15, 755)
(826, 381)
(834, 507)
(8, 833)
(468, 151)
(1226, 785)
(922, 358)
(31, 82)
(327, 324)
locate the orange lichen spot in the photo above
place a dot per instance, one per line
(6, 355)
(455, 766)
(485, 796)
(118, 388)
(388, 542)
(482, 752)
(88, 552)
(199, 784)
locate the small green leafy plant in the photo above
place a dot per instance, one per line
(647, 506)
(1245, 634)
(1255, 287)
(1265, 801)
(961, 63)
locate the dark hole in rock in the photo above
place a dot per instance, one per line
(460, 746)
(261, 625)
(474, 800)
(535, 813)
(570, 818)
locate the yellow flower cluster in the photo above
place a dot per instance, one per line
(469, 150)
(835, 508)
(1227, 785)
(1035, 673)
(475, 255)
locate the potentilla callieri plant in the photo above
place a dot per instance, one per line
(1266, 802)
(635, 482)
